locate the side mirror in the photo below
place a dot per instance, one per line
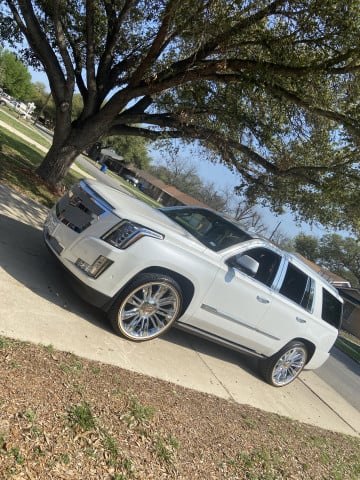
(244, 263)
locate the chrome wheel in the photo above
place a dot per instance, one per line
(289, 365)
(148, 309)
(282, 368)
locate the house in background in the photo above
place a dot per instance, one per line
(154, 187)
(351, 315)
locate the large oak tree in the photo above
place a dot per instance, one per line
(270, 88)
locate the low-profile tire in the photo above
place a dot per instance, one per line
(283, 367)
(147, 307)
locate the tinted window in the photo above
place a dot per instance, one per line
(212, 230)
(331, 309)
(298, 287)
(269, 262)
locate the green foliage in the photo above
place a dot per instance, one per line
(308, 246)
(132, 149)
(81, 416)
(138, 413)
(15, 77)
(342, 256)
(269, 89)
(338, 254)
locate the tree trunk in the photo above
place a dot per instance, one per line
(57, 162)
(67, 145)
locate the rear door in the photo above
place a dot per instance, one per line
(290, 315)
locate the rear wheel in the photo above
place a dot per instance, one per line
(147, 307)
(283, 367)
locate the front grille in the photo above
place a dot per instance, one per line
(81, 207)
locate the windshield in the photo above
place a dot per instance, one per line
(214, 231)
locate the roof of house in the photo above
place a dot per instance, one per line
(168, 189)
(331, 277)
(183, 197)
(351, 294)
(108, 152)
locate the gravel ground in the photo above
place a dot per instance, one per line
(64, 417)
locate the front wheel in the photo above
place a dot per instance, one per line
(283, 367)
(147, 307)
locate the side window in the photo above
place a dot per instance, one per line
(269, 262)
(331, 309)
(298, 287)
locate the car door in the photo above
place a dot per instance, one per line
(237, 300)
(291, 305)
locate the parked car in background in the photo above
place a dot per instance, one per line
(131, 179)
(190, 267)
(6, 100)
(23, 109)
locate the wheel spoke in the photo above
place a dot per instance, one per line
(126, 314)
(133, 325)
(146, 293)
(135, 300)
(161, 292)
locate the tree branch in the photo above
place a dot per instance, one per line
(158, 44)
(39, 44)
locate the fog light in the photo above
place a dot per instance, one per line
(97, 268)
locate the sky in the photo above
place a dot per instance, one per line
(224, 178)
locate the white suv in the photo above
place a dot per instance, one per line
(188, 266)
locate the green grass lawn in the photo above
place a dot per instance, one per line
(24, 126)
(18, 162)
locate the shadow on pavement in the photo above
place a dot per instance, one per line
(24, 256)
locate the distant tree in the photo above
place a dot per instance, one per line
(270, 87)
(183, 174)
(2, 70)
(341, 256)
(134, 150)
(39, 95)
(16, 79)
(308, 246)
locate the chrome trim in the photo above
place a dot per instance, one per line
(214, 311)
(101, 202)
(216, 339)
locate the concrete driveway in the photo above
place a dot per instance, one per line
(38, 306)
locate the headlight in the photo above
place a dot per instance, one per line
(126, 233)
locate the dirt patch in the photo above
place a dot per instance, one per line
(64, 417)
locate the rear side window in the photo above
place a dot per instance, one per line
(331, 309)
(298, 287)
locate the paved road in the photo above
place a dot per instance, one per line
(343, 375)
(38, 305)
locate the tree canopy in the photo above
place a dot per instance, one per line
(269, 88)
(132, 149)
(15, 78)
(338, 254)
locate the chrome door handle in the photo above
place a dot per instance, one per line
(300, 320)
(262, 300)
